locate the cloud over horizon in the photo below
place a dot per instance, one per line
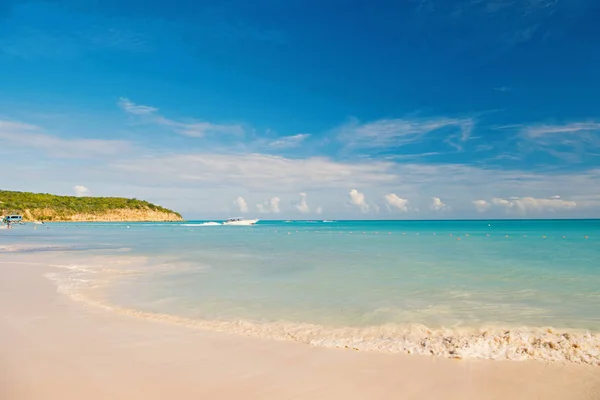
(241, 204)
(396, 202)
(358, 199)
(302, 206)
(81, 191)
(271, 206)
(437, 204)
(468, 189)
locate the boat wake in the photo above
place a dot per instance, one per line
(204, 224)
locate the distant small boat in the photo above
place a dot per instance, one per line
(240, 221)
(12, 219)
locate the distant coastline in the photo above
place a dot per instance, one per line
(52, 208)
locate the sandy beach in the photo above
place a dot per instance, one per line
(52, 347)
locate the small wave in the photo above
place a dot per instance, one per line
(496, 343)
(543, 344)
(204, 224)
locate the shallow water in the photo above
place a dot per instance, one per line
(345, 279)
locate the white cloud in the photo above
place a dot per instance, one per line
(208, 179)
(567, 141)
(289, 141)
(241, 204)
(303, 205)
(396, 202)
(358, 199)
(137, 109)
(502, 202)
(19, 135)
(271, 206)
(538, 131)
(192, 129)
(259, 170)
(481, 205)
(399, 132)
(200, 129)
(274, 203)
(81, 191)
(319, 210)
(524, 205)
(437, 204)
(261, 173)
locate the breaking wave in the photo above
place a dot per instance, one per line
(497, 343)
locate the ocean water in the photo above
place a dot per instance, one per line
(456, 288)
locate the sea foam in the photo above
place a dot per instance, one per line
(497, 343)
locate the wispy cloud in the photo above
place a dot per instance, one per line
(136, 109)
(566, 141)
(525, 205)
(15, 135)
(544, 131)
(413, 156)
(210, 181)
(389, 133)
(259, 170)
(149, 114)
(289, 141)
(200, 129)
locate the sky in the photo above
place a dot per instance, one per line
(417, 109)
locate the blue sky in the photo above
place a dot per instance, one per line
(305, 109)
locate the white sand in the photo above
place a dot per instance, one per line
(54, 348)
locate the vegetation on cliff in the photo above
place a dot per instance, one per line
(48, 207)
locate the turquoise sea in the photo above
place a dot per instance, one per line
(333, 282)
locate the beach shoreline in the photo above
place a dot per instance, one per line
(53, 347)
(86, 279)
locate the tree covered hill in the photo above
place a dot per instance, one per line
(48, 207)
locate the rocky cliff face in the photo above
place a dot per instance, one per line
(117, 215)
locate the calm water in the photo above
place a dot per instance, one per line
(346, 274)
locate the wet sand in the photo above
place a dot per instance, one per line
(54, 348)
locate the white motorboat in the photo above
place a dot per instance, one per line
(240, 221)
